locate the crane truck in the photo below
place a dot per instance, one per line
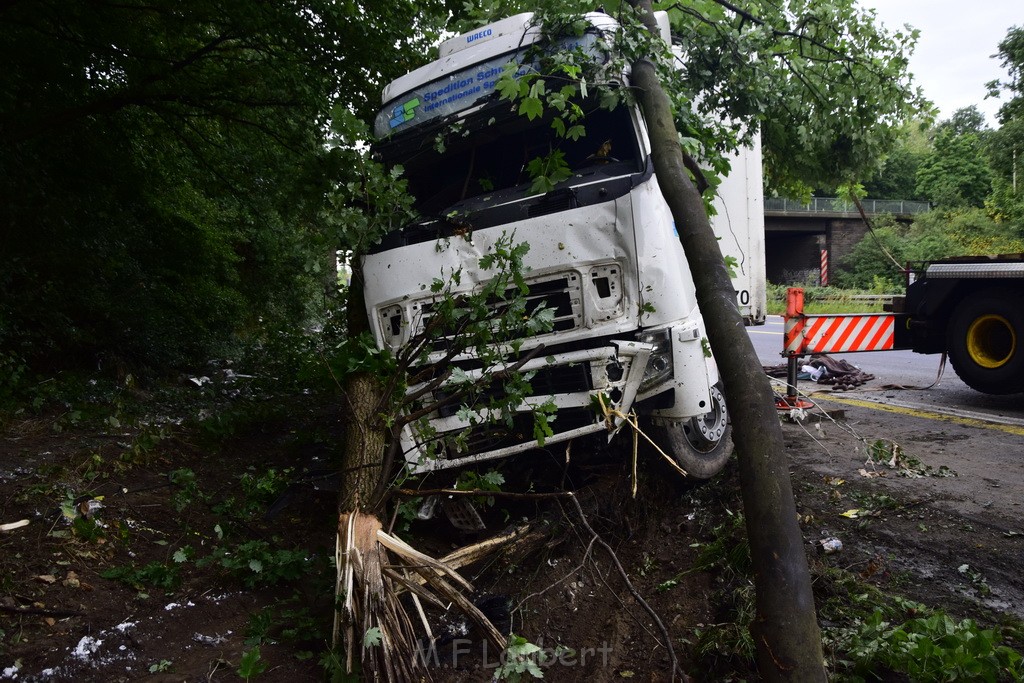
(972, 309)
(604, 255)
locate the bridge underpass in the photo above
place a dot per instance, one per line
(797, 233)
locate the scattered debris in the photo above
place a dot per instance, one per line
(209, 640)
(831, 545)
(86, 647)
(841, 375)
(892, 455)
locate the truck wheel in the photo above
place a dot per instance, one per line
(701, 445)
(986, 341)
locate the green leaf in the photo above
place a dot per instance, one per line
(373, 637)
(532, 108)
(494, 478)
(251, 665)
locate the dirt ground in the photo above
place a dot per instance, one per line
(106, 502)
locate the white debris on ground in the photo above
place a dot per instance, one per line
(86, 647)
(211, 640)
(175, 605)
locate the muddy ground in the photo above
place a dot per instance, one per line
(149, 555)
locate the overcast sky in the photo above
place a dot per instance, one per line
(953, 60)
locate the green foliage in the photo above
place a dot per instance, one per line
(956, 173)
(489, 324)
(931, 236)
(251, 664)
(868, 635)
(811, 63)
(1011, 56)
(470, 480)
(283, 623)
(832, 299)
(260, 489)
(186, 490)
(164, 170)
(257, 564)
(154, 575)
(372, 637)
(897, 177)
(891, 455)
(926, 648)
(520, 657)
(160, 667)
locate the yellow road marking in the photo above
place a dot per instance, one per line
(914, 412)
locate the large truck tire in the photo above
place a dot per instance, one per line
(985, 340)
(701, 445)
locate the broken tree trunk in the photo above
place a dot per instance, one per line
(785, 628)
(365, 433)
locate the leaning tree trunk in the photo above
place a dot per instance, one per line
(785, 628)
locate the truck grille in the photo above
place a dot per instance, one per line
(560, 293)
(548, 381)
(494, 436)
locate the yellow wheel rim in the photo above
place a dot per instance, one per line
(991, 341)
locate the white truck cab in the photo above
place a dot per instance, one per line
(604, 254)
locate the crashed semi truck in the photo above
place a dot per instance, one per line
(604, 254)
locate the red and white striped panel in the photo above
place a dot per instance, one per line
(847, 333)
(793, 336)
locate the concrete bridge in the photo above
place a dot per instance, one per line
(796, 233)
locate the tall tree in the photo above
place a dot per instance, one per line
(956, 173)
(802, 67)
(1006, 145)
(163, 164)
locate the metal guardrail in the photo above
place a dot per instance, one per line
(836, 205)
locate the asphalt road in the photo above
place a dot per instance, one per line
(950, 397)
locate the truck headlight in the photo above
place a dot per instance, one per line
(659, 365)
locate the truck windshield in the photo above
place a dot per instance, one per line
(485, 163)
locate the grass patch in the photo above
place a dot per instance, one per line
(826, 300)
(867, 635)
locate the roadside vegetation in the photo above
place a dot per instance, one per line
(968, 170)
(170, 508)
(870, 631)
(831, 299)
(178, 184)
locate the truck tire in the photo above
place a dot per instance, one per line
(700, 445)
(985, 341)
